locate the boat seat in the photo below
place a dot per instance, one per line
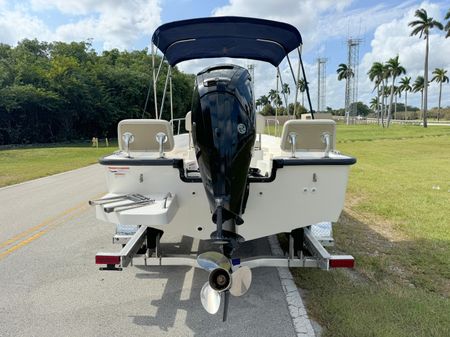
(260, 126)
(188, 127)
(260, 123)
(308, 134)
(188, 122)
(144, 132)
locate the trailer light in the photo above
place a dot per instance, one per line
(107, 259)
(346, 261)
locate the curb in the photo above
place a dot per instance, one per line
(300, 319)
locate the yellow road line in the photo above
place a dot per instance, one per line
(46, 222)
(39, 234)
(42, 228)
(23, 243)
(39, 226)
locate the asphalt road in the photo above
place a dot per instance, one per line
(50, 286)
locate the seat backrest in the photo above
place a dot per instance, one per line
(188, 122)
(260, 123)
(144, 132)
(309, 134)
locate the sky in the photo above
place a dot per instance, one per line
(325, 25)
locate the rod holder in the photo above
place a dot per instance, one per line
(293, 141)
(128, 138)
(161, 138)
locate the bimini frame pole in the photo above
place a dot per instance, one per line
(169, 71)
(171, 96)
(154, 80)
(147, 98)
(282, 91)
(306, 83)
(296, 80)
(276, 106)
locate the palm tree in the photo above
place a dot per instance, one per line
(395, 69)
(422, 26)
(447, 26)
(419, 85)
(385, 91)
(302, 88)
(440, 77)
(405, 86)
(397, 94)
(386, 94)
(274, 99)
(264, 100)
(278, 101)
(258, 103)
(345, 72)
(374, 103)
(273, 94)
(375, 75)
(286, 91)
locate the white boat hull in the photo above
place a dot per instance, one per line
(300, 195)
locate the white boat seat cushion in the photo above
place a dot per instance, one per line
(260, 123)
(309, 134)
(144, 131)
(188, 122)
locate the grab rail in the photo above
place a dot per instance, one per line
(276, 123)
(178, 120)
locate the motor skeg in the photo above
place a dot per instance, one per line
(223, 131)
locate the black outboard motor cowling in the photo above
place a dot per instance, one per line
(223, 131)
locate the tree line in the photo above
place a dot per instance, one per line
(53, 92)
(271, 104)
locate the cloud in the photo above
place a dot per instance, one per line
(16, 24)
(393, 38)
(77, 7)
(308, 16)
(119, 24)
(321, 21)
(317, 20)
(110, 23)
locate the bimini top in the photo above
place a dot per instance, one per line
(226, 36)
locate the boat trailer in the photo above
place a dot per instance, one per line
(305, 250)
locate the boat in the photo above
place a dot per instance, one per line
(224, 179)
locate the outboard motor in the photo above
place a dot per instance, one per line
(223, 131)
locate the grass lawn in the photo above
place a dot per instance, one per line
(397, 225)
(21, 164)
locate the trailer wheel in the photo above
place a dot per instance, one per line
(298, 236)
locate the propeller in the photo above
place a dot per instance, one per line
(210, 299)
(213, 260)
(221, 281)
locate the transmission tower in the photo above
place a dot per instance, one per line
(351, 92)
(321, 84)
